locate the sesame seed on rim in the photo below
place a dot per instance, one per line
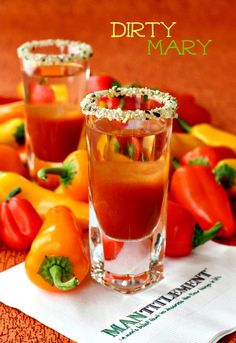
(80, 50)
(168, 110)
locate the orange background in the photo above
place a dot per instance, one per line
(211, 78)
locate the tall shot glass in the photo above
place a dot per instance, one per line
(55, 73)
(128, 149)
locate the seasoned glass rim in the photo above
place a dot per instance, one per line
(168, 110)
(83, 51)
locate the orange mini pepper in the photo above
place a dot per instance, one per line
(57, 260)
(73, 175)
(10, 160)
(11, 110)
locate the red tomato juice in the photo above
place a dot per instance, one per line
(53, 130)
(128, 196)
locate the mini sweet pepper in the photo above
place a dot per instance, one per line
(57, 260)
(19, 222)
(42, 199)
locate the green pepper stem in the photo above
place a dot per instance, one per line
(201, 237)
(175, 163)
(20, 134)
(61, 171)
(184, 125)
(56, 274)
(12, 193)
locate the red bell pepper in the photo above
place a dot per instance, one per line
(207, 155)
(111, 248)
(195, 188)
(182, 232)
(101, 82)
(41, 93)
(190, 111)
(19, 222)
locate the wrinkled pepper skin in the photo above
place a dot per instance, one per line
(195, 188)
(59, 238)
(42, 199)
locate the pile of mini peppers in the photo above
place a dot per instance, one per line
(202, 189)
(33, 218)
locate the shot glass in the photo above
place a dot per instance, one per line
(55, 73)
(128, 140)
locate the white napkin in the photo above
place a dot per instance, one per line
(203, 313)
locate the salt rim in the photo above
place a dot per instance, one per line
(89, 104)
(83, 51)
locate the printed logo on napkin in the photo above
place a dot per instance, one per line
(145, 316)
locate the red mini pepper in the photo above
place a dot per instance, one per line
(196, 189)
(182, 232)
(190, 111)
(19, 222)
(41, 93)
(207, 155)
(101, 82)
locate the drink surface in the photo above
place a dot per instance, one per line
(128, 176)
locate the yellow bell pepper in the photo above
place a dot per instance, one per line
(61, 92)
(12, 132)
(181, 143)
(225, 172)
(42, 199)
(210, 135)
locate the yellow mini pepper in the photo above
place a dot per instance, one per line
(12, 132)
(12, 110)
(210, 135)
(42, 199)
(181, 143)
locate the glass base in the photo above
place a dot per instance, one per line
(127, 283)
(126, 266)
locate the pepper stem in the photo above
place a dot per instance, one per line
(61, 171)
(20, 134)
(184, 125)
(67, 172)
(175, 163)
(56, 274)
(201, 237)
(12, 193)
